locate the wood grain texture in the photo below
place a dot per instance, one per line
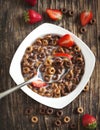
(12, 31)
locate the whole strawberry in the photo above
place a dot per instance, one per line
(31, 16)
(31, 2)
(89, 121)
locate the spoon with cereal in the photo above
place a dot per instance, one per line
(38, 80)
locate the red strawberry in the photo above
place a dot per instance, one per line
(31, 2)
(31, 16)
(54, 14)
(86, 17)
(39, 84)
(66, 41)
(89, 121)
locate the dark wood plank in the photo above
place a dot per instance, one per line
(12, 31)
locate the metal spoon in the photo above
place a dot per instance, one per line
(38, 76)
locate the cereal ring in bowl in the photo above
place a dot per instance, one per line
(58, 94)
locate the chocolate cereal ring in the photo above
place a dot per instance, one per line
(49, 111)
(93, 21)
(59, 113)
(28, 111)
(70, 13)
(58, 122)
(72, 125)
(83, 30)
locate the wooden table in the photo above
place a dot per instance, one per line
(13, 30)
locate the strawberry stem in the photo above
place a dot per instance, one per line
(26, 16)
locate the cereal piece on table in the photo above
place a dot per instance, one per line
(86, 88)
(28, 111)
(59, 113)
(72, 125)
(42, 110)
(80, 110)
(93, 21)
(67, 119)
(49, 111)
(34, 119)
(83, 30)
(58, 122)
(63, 10)
(70, 13)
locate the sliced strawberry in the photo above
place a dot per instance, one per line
(38, 84)
(31, 16)
(63, 55)
(54, 14)
(66, 41)
(86, 17)
(31, 2)
(89, 121)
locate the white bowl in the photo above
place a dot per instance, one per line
(15, 67)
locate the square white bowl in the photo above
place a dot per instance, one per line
(15, 67)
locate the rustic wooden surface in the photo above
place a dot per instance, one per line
(12, 31)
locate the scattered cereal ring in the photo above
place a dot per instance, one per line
(93, 21)
(83, 30)
(58, 122)
(34, 119)
(72, 125)
(86, 88)
(42, 110)
(66, 119)
(49, 111)
(63, 10)
(71, 13)
(80, 110)
(28, 111)
(59, 113)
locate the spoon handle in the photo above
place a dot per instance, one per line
(5, 93)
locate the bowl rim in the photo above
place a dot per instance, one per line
(15, 68)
